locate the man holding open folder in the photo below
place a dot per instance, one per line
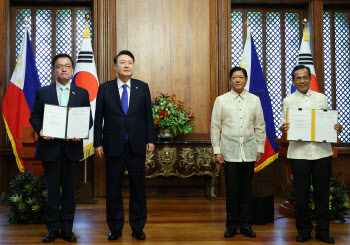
(59, 157)
(310, 161)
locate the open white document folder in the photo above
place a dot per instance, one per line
(312, 125)
(66, 122)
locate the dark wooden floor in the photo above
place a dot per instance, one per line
(170, 221)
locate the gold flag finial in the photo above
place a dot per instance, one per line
(25, 20)
(248, 25)
(88, 17)
(306, 34)
(304, 21)
(87, 30)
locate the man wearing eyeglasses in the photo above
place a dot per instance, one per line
(59, 157)
(311, 162)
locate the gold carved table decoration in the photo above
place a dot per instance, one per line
(184, 159)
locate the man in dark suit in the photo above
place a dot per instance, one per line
(59, 157)
(123, 106)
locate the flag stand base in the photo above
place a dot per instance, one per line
(263, 210)
(86, 194)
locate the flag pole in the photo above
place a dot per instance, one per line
(87, 17)
(248, 27)
(85, 171)
(85, 187)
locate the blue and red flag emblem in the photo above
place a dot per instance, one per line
(257, 85)
(19, 98)
(85, 76)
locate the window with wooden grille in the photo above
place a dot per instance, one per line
(277, 35)
(52, 30)
(336, 49)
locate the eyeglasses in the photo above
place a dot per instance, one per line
(60, 67)
(305, 78)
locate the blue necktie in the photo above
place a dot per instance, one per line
(125, 103)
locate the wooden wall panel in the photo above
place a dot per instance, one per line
(182, 59)
(223, 60)
(316, 23)
(8, 166)
(4, 61)
(154, 45)
(104, 50)
(171, 43)
(190, 67)
(104, 38)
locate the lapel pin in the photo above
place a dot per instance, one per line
(137, 87)
(73, 92)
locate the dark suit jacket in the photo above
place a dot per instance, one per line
(49, 150)
(138, 122)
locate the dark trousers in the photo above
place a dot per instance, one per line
(318, 172)
(115, 167)
(238, 181)
(60, 208)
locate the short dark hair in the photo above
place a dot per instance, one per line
(61, 56)
(126, 52)
(299, 67)
(238, 68)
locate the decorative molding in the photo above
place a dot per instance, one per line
(184, 160)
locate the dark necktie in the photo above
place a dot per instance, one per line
(125, 103)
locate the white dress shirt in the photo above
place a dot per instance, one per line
(234, 119)
(58, 90)
(121, 89)
(306, 150)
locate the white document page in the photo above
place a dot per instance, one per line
(299, 124)
(324, 125)
(78, 123)
(54, 122)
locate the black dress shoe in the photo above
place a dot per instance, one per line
(324, 238)
(68, 236)
(139, 235)
(51, 236)
(114, 235)
(247, 231)
(229, 233)
(303, 237)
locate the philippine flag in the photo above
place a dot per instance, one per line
(305, 58)
(19, 98)
(256, 84)
(85, 76)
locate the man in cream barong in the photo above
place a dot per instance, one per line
(311, 162)
(238, 139)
